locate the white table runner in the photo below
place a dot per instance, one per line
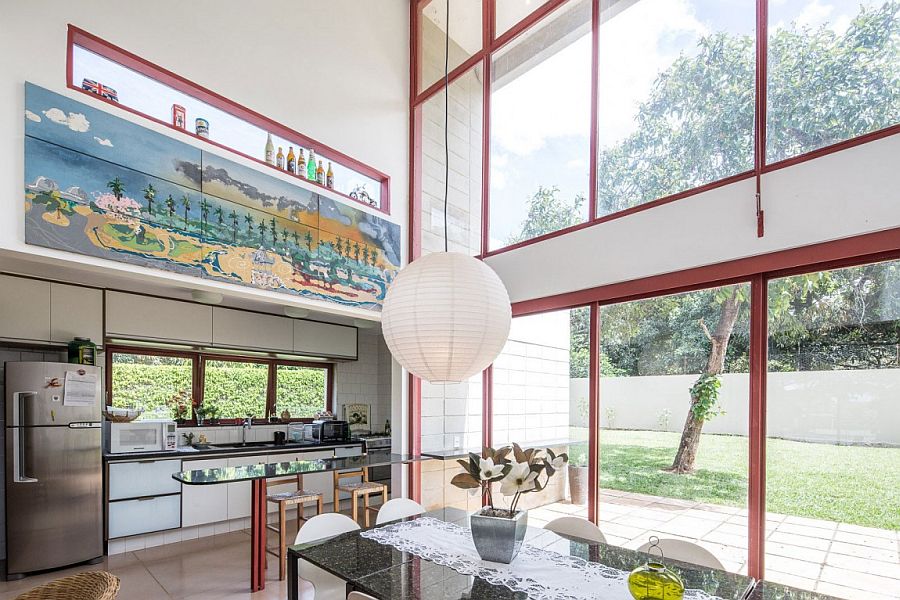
(542, 574)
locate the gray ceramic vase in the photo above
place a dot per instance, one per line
(498, 539)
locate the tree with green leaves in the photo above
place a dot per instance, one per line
(248, 222)
(234, 225)
(204, 214)
(220, 216)
(186, 205)
(548, 212)
(170, 208)
(149, 195)
(263, 228)
(117, 187)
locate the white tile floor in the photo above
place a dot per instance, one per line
(847, 561)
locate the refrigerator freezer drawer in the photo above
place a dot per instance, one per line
(143, 478)
(132, 517)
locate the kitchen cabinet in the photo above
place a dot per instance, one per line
(312, 338)
(143, 478)
(24, 309)
(242, 329)
(239, 493)
(144, 515)
(133, 316)
(75, 312)
(201, 504)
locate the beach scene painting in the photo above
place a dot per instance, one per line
(171, 207)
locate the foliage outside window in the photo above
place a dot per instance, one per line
(300, 390)
(149, 382)
(234, 389)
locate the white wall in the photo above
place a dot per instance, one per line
(816, 406)
(847, 193)
(367, 380)
(336, 71)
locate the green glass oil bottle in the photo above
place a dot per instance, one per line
(653, 581)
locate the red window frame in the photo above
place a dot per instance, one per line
(198, 377)
(492, 43)
(83, 39)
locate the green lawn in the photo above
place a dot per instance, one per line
(849, 484)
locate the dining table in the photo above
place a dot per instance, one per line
(393, 561)
(258, 474)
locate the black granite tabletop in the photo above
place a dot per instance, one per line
(216, 450)
(389, 574)
(299, 467)
(454, 453)
(767, 590)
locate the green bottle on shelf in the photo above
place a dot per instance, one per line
(311, 165)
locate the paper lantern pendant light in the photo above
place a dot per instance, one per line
(446, 317)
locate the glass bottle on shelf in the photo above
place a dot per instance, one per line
(301, 163)
(320, 174)
(311, 165)
(291, 160)
(270, 151)
(329, 177)
(279, 158)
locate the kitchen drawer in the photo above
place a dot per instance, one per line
(349, 451)
(131, 517)
(143, 478)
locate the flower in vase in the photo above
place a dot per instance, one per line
(520, 479)
(488, 470)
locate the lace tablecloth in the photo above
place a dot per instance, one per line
(542, 574)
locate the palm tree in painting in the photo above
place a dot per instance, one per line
(204, 214)
(234, 225)
(374, 256)
(263, 228)
(338, 247)
(296, 237)
(186, 204)
(347, 247)
(117, 187)
(356, 251)
(309, 241)
(274, 229)
(248, 221)
(365, 255)
(149, 195)
(284, 237)
(220, 216)
(170, 208)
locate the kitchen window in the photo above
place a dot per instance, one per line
(224, 389)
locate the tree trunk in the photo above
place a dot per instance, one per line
(690, 436)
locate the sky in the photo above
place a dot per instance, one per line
(540, 122)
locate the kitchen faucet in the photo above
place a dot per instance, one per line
(248, 423)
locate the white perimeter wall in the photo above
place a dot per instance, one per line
(817, 406)
(840, 195)
(337, 71)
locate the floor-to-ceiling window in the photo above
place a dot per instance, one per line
(833, 431)
(674, 393)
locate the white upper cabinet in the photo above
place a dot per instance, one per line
(312, 338)
(75, 312)
(242, 329)
(24, 309)
(144, 317)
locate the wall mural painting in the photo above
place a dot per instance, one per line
(101, 186)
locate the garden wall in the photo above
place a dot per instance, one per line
(818, 406)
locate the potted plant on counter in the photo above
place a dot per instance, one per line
(578, 477)
(498, 532)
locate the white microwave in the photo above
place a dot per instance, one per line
(141, 436)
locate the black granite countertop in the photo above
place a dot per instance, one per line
(766, 590)
(298, 467)
(454, 453)
(215, 450)
(389, 574)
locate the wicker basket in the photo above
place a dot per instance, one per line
(92, 585)
(119, 418)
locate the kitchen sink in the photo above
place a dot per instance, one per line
(243, 445)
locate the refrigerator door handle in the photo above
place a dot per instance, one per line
(18, 443)
(18, 407)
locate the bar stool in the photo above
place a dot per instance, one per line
(364, 488)
(298, 498)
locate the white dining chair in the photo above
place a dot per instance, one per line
(360, 596)
(326, 585)
(686, 551)
(398, 508)
(576, 527)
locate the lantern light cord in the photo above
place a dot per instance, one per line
(446, 124)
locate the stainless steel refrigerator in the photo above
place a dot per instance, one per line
(54, 468)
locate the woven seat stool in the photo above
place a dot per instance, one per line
(357, 489)
(92, 585)
(299, 498)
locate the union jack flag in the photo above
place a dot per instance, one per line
(101, 90)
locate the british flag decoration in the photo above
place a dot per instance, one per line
(101, 90)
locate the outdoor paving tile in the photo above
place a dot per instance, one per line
(567, 508)
(801, 568)
(804, 583)
(664, 506)
(637, 520)
(890, 556)
(865, 540)
(616, 509)
(688, 526)
(633, 501)
(850, 593)
(736, 541)
(804, 530)
(669, 501)
(732, 529)
(700, 513)
(721, 508)
(830, 525)
(863, 565)
(868, 531)
(799, 540)
(798, 552)
(864, 581)
(607, 492)
(626, 531)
